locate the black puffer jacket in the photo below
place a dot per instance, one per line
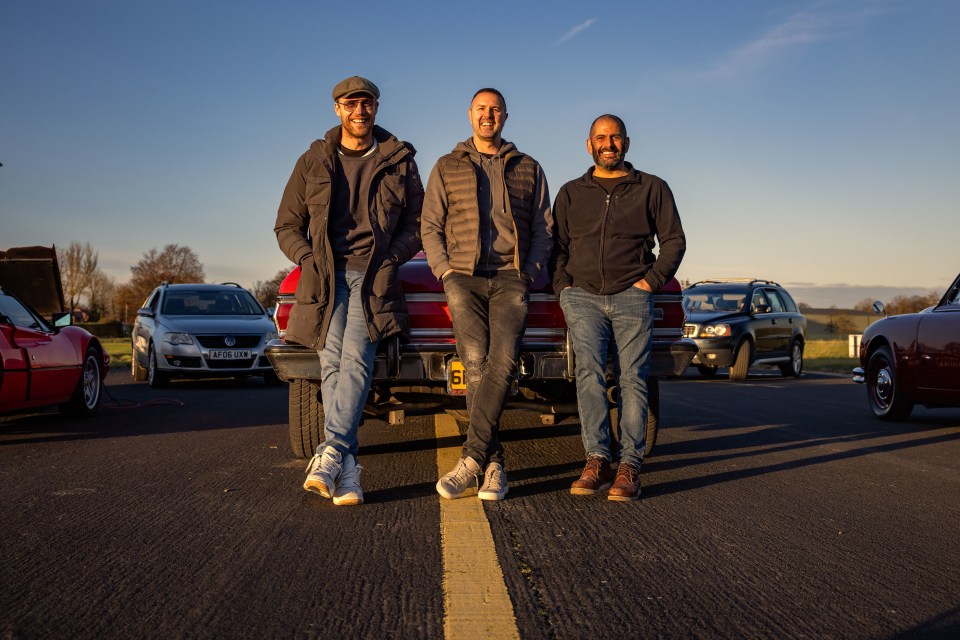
(604, 244)
(396, 196)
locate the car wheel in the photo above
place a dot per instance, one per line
(271, 379)
(653, 419)
(883, 391)
(306, 418)
(741, 364)
(137, 372)
(86, 397)
(155, 378)
(706, 370)
(794, 368)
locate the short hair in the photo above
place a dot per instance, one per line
(493, 91)
(609, 116)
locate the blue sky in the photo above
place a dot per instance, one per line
(812, 143)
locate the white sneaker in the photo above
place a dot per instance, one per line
(457, 482)
(348, 485)
(323, 471)
(495, 485)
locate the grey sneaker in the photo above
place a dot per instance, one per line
(457, 482)
(348, 485)
(495, 485)
(323, 471)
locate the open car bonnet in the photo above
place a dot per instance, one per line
(33, 273)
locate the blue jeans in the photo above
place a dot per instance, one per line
(346, 365)
(623, 323)
(489, 314)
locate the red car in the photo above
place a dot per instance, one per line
(44, 362)
(912, 359)
(425, 374)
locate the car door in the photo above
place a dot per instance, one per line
(144, 327)
(52, 364)
(782, 321)
(764, 325)
(938, 348)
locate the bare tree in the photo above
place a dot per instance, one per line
(266, 290)
(78, 264)
(911, 304)
(864, 305)
(173, 265)
(102, 290)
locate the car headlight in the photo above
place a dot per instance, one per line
(715, 331)
(178, 338)
(267, 337)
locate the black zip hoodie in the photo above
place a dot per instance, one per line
(604, 243)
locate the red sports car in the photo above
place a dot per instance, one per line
(44, 362)
(913, 358)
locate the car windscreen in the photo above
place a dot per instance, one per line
(714, 300)
(187, 302)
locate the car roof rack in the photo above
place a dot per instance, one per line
(231, 283)
(743, 280)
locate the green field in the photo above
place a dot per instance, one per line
(819, 355)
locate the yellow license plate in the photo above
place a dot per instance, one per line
(456, 378)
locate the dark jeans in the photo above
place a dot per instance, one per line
(489, 313)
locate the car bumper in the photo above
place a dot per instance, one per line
(714, 353)
(190, 362)
(426, 363)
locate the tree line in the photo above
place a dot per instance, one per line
(94, 296)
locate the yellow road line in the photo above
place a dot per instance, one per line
(475, 599)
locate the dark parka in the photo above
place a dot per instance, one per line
(395, 199)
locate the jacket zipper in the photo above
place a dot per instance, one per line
(603, 233)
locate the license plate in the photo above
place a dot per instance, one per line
(229, 354)
(456, 378)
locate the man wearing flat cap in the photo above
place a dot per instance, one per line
(349, 216)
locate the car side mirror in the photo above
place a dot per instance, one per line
(62, 319)
(146, 312)
(879, 308)
(762, 308)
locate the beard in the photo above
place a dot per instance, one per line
(608, 164)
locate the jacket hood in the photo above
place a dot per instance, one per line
(468, 149)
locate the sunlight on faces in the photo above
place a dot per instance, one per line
(488, 114)
(607, 144)
(357, 124)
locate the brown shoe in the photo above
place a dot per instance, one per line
(627, 485)
(596, 476)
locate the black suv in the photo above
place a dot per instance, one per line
(738, 323)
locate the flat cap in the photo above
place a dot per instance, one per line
(355, 84)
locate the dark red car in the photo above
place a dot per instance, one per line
(912, 359)
(425, 374)
(44, 362)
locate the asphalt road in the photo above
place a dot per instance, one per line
(771, 509)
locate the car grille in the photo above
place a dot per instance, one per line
(217, 342)
(689, 330)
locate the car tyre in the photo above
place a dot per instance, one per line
(155, 378)
(883, 389)
(86, 398)
(306, 418)
(794, 368)
(706, 370)
(653, 419)
(741, 363)
(137, 371)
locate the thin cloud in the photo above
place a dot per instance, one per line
(569, 35)
(799, 30)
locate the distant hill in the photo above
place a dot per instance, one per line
(845, 296)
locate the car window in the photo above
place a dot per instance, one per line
(715, 300)
(776, 305)
(19, 315)
(759, 300)
(152, 300)
(186, 302)
(788, 302)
